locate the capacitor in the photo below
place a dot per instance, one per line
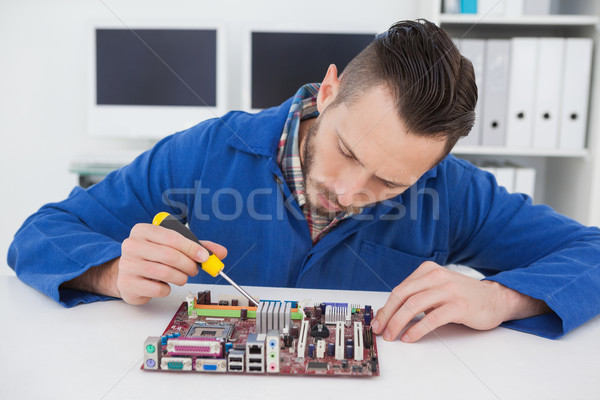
(367, 319)
(294, 331)
(311, 350)
(287, 341)
(323, 305)
(313, 322)
(367, 310)
(349, 342)
(349, 351)
(331, 349)
(243, 314)
(200, 298)
(234, 302)
(318, 313)
(308, 312)
(207, 299)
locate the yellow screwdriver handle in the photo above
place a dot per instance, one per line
(213, 265)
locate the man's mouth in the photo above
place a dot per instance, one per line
(327, 203)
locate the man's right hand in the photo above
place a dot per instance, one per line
(152, 257)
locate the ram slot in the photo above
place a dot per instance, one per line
(339, 340)
(359, 348)
(302, 339)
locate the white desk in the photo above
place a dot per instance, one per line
(94, 351)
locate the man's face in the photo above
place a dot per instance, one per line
(353, 156)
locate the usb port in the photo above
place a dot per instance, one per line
(255, 360)
(235, 367)
(255, 369)
(235, 359)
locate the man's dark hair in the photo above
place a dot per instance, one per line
(432, 84)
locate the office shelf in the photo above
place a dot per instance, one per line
(525, 20)
(567, 180)
(504, 151)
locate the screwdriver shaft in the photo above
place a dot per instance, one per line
(242, 291)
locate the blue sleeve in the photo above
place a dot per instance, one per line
(531, 249)
(63, 240)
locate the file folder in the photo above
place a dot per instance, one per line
(451, 6)
(576, 91)
(522, 78)
(474, 50)
(468, 6)
(525, 181)
(491, 7)
(537, 7)
(494, 92)
(514, 8)
(548, 93)
(505, 176)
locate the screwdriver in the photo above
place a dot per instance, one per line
(213, 266)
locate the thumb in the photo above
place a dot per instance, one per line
(220, 251)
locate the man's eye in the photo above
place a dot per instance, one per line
(342, 152)
(389, 185)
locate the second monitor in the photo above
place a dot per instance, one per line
(281, 62)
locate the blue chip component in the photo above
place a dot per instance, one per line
(311, 350)
(228, 346)
(330, 349)
(349, 351)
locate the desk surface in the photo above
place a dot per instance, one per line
(95, 351)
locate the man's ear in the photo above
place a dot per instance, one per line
(329, 88)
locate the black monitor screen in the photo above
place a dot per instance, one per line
(156, 67)
(282, 62)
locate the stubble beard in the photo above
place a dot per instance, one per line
(307, 165)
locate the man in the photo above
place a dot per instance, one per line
(347, 185)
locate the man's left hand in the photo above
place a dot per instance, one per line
(448, 296)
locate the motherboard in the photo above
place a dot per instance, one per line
(275, 338)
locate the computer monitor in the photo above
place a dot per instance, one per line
(279, 62)
(148, 80)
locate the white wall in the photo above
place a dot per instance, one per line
(43, 78)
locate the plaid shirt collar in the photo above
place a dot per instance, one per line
(304, 106)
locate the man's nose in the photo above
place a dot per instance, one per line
(349, 185)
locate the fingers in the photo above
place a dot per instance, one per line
(142, 250)
(220, 251)
(159, 272)
(433, 320)
(139, 252)
(416, 304)
(415, 283)
(140, 290)
(167, 237)
(153, 257)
